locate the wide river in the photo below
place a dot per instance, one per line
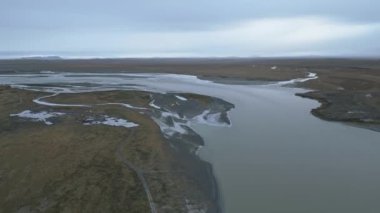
(275, 157)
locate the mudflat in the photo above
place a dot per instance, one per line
(347, 88)
(107, 157)
(69, 162)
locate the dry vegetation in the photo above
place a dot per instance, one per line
(70, 167)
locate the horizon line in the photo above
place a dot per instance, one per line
(58, 57)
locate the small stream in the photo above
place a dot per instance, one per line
(274, 157)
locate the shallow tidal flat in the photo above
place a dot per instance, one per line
(185, 144)
(66, 163)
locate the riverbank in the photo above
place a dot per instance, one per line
(348, 89)
(347, 94)
(334, 87)
(112, 146)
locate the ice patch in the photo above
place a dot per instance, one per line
(38, 116)
(56, 89)
(154, 105)
(167, 129)
(310, 76)
(369, 120)
(355, 112)
(194, 207)
(340, 88)
(47, 72)
(111, 121)
(168, 114)
(39, 101)
(210, 119)
(181, 98)
(124, 105)
(196, 152)
(182, 125)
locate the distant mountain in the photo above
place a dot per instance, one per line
(42, 58)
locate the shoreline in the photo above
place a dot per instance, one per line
(362, 118)
(194, 169)
(327, 90)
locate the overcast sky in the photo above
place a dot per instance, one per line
(177, 28)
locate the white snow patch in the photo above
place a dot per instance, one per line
(124, 105)
(211, 119)
(38, 116)
(46, 72)
(169, 130)
(111, 121)
(355, 112)
(180, 125)
(154, 105)
(274, 68)
(45, 103)
(310, 76)
(196, 152)
(181, 98)
(194, 208)
(167, 114)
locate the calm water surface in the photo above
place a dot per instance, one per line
(276, 157)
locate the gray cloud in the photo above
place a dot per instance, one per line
(194, 27)
(174, 13)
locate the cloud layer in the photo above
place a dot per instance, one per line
(191, 28)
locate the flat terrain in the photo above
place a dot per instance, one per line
(71, 167)
(96, 168)
(347, 88)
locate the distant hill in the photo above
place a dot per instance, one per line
(42, 58)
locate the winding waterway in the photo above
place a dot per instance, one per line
(274, 158)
